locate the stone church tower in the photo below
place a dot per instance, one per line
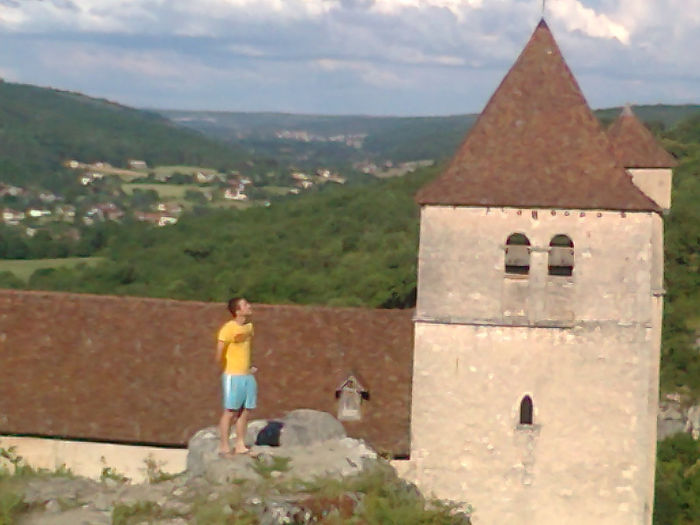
(537, 328)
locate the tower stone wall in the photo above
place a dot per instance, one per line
(584, 348)
(655, 183)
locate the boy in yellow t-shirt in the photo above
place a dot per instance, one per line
(239, 386)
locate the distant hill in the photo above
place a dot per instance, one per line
(384, 138)
(659, 114)
(40, 128)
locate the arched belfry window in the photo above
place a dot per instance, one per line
(526, 411)
(517, 254)
(561, 256)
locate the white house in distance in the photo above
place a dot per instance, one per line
(135, 164)
(12, 217)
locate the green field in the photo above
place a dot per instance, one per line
(236, 205)
(276, 190)
(165, 191)
(23, 269)
(185, 170)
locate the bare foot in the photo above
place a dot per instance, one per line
(226, 454)
(241, 450)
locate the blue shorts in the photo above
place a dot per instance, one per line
(240, 391)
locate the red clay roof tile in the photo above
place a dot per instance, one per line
(537, 144)
(136, 370)
(635, 146)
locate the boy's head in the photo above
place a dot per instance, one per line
(239, 305)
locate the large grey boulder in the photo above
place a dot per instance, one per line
(203, 446)
(304, 427)
(307, 444)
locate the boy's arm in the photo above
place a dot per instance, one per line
(220, 346)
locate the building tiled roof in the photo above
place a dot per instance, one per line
(138, 370)
(537, 144)
(634, 144)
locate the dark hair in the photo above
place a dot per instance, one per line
(233, 304)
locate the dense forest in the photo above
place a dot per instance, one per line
(680, 360)
(353, 246)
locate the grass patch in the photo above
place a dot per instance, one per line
(276, 190)
(265, 466)
(238, 205)
(18, 468)
(154, 471)
(228, 508)
(139, 512)
(123, 174)
(24, 268)
(185, 170)
(165, 191)
(12, 504)
(113, 474)
(63, 472)
(386, 499)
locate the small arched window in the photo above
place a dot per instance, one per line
(561, 256)
(517, 254)
(526, 411)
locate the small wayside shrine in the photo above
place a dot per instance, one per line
(538, 319)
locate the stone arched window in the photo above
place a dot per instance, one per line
(517, 260)
(526, 411)
(561, 256)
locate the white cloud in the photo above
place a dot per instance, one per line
(11, 16)
(359, 44)
(369, 73)
(166, 68)
(456, 7)
(576, 16)
(245, 50)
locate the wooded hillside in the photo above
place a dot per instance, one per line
(41, 128)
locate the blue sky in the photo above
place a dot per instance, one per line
(376, 57)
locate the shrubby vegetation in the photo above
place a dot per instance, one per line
(680, 360)
(374, 497)
(677, 494)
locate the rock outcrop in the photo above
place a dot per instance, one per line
(676, 416)
(303, 445)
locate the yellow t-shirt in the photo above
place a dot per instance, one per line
(236, 355)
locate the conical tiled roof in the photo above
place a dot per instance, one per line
(634, 144)
(537, 144)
